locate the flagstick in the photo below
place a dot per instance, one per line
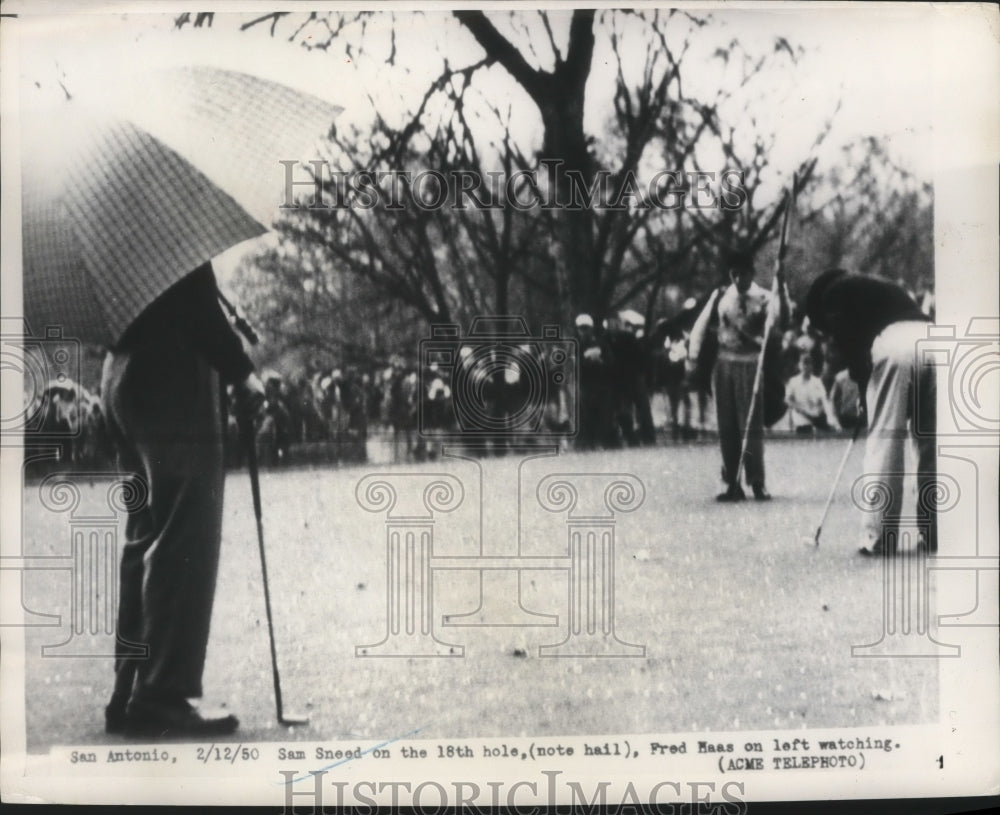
(768, 326)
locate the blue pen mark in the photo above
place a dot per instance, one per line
(378, 746)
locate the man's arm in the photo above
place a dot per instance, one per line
(831, 414)
(208, 329)
(698, 331)
(790, 399)
(779, 306)
(189, 312)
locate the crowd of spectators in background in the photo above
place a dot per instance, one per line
(622, 372)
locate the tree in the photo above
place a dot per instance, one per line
(871, 214)
(341, 268)
(594, 258)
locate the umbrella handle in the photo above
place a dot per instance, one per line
(246, 425)
(242, 324)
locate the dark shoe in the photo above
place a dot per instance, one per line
(174, 718)
(875, 551)
(115, 718)
(760, 494)
(734, 493)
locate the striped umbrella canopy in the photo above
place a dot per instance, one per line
(117, 207)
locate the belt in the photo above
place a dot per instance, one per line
(738, 356)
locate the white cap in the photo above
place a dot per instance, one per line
(633, 318)
(584, 319)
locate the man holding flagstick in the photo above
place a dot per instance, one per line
(743, 315)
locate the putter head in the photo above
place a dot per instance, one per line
(293, 719)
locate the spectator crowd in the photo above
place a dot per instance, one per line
(623, 376)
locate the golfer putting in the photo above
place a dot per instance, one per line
(877, 326)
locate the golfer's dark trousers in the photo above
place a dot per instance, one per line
(163, 410)
(733, 384)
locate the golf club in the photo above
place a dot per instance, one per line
(246, 430)
(814, 540)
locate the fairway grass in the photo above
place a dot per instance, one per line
(743, 626)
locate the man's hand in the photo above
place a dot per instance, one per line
(690, 374)
(248, 396)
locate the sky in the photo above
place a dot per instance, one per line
(877, 62)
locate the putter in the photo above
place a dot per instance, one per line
(814, 540)
(246, 426)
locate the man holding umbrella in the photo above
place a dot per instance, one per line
(161, 393)
(121, 214)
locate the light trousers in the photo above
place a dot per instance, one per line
(902, 406)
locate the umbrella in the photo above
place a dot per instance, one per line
(116, 208)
